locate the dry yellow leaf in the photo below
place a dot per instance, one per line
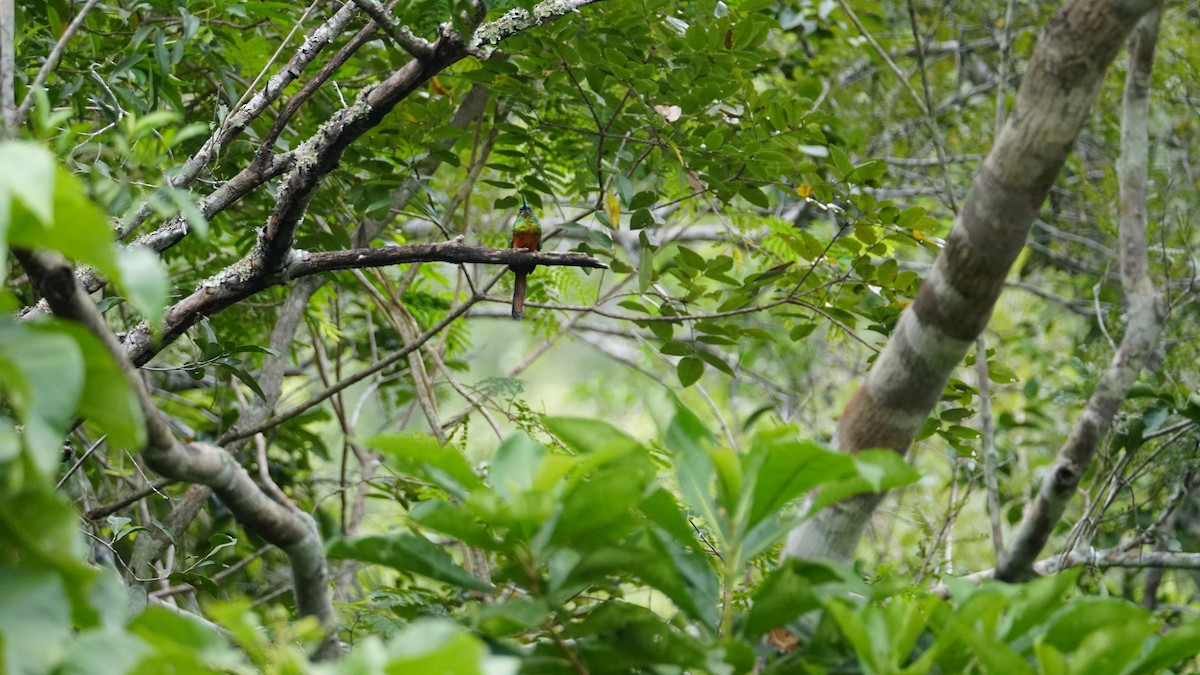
(612, 207)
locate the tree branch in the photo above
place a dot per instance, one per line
(292, 530)
(956, 299)
(239, 120)
(1147, 311)
(516, 20)
(417, 47)
(245, 278)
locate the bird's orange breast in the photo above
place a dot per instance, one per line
(527, 240)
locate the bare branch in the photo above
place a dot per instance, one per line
(417, 47)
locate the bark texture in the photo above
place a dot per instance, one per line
(957, 298)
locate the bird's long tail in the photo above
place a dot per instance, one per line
(518, 303)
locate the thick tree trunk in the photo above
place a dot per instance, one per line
(956, 300)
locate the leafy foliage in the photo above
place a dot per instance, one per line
(767, 195)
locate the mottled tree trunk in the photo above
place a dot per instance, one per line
(955, 301)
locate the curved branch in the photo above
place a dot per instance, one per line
(292, 530)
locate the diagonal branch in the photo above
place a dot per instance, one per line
(293, 531)
(956, 299)
(1147, 311)
(240, 119)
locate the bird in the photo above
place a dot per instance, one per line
(526, 234)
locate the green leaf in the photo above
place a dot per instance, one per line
(442, 646)
(755, 196)
(689, 370)
(786, 594)
(875, 471)
(591, 436)
(647, 639)
(42, 372)
(1033, 603)
(78, 228)
(106, 651)
(646, 266)
(642, 200)
(1178, 644)
(687, 440)
(191, 213)
(143, 279)
(421, 455)
(640, 219)
(27, 173)
(181, 635)
(451, 519)
(248, 380)
(600, 508)
(782, 468)
(664, 510)
(408, 553)
(35, 619)
(108, 400)
(509, 617)
(515, 465)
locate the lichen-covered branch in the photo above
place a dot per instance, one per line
(517, 19)
(239, 120)
(417, 47)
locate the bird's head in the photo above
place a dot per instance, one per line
(526, 210)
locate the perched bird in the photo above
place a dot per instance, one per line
(527, 234)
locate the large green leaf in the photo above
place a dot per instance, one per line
(108, 399)
(875, 471)
(591, 436)
(1179, 643)
(686, 577)
(77, 228)
(42, 373)
(409, 553)
(599, 509)
(646, 639)
(787, 593)
(442, 646)
(455, 521)
(688, 441)
(511, 616)
(1034, 603)
(35, 619)
(515, 465)
(782, 468)
(422, 456)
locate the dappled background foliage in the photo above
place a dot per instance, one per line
(768, 183)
